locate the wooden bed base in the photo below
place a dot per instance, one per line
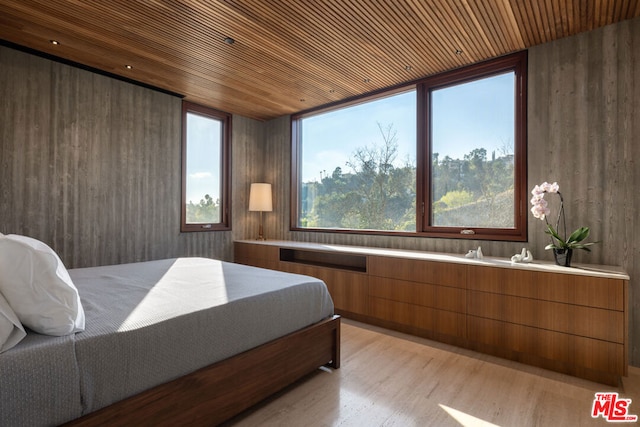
(220, 391)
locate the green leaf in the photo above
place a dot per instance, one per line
(579, 235)
(561, 243)
(584, 246)
(573, 242)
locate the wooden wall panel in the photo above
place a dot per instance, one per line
(277, 153)
(91, 165)
(25, 143)
(248, 165)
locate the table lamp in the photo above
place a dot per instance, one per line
(260, 200)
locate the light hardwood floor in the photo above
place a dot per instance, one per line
(392, 379)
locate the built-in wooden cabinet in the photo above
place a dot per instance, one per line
(572, 320)
(562, 320)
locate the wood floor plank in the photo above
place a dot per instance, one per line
(391, 379)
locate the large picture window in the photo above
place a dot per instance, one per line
(445, 157)
(205, 168)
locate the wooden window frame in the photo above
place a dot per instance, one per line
(225, 172)
(296, 140)
(516, 62)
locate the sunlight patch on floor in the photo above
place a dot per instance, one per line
(466, 420)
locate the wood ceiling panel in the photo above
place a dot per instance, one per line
(291, 55)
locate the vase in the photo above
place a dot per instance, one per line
(563, 257)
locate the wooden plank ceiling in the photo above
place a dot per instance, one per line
(291, 55)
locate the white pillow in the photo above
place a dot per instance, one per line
(38, 287)
(11, 330)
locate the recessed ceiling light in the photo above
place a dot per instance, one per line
(128, 67)
(407, 67)
(229, 40)
(54, 42)
(458, 52)
(366, 80)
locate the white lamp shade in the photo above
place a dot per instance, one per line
(260, 197)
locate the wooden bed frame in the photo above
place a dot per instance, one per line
(220, 391)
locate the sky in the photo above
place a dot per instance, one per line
(203, 157)
(478, 114)
(331, 138)
(465, 118)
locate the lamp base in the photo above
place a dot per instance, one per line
(261, 230)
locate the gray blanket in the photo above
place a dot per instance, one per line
(146, 324)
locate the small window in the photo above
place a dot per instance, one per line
(205, 168)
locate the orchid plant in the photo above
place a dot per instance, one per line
(541, 210)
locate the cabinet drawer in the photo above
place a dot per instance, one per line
(572, 350)
(425, 318)
(255, 262)
(588, 322)
(436, 273)
(348, 290)
(247, 251)
(568, 288)
(424, 294)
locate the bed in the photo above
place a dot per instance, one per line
(171, 342)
